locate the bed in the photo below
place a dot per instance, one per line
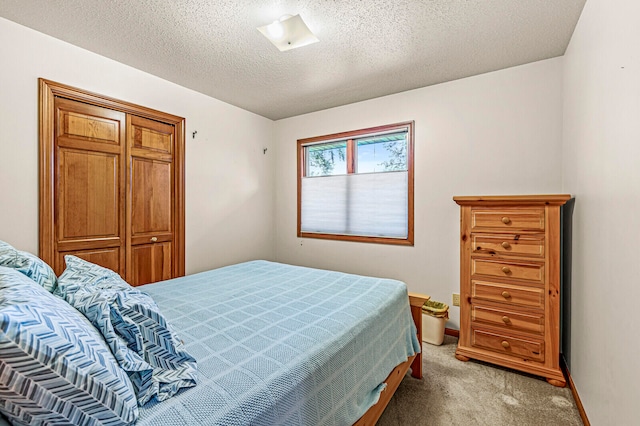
(282, 344)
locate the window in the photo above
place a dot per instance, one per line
(358, 185)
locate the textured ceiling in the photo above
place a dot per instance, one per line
(367, 48)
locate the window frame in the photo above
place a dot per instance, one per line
(351, 166)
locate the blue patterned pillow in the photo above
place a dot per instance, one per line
(56, 367)
(30, 265)
(137, 333)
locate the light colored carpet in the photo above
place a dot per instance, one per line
(453, 392)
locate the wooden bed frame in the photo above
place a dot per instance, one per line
(414, 362)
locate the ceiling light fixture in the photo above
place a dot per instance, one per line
(288, 32)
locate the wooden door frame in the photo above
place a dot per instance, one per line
(48, 90)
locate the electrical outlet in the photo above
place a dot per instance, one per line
(456, 299)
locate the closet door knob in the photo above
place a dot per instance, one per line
(505, 344)
(506, 220)
(506, 294)
(505, 245)
(506, 319)
(506, 270)
(154, 239)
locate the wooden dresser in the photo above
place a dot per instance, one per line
(510, 282)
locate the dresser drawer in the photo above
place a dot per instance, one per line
(533, 272)
(509, 320)
(520, 219)
(508, 244)
(508, 345)
(509, 294)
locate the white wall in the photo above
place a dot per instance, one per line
(229, 182)
(601, 166)
(497, 133)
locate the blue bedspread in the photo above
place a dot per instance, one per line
(281, 344)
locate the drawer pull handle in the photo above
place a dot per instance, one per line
(505, 245)
(506, 294)
(505, 344)
(154, 239)
(506, 270)
(506, 319)
(506, 220)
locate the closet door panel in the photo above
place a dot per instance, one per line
(88, 123)
(108, 258)
(88, 194)
(151, 197)
(151, 263)
(150, 135)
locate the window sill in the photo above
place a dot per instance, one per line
(359, 239)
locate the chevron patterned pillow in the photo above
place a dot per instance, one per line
(56, 367)
(30, 265)
(138, 334)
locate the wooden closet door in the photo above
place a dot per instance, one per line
(151, 200)
(89, 186)
(111, 184)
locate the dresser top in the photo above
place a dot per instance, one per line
(510, 200)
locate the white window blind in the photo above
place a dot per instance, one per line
(370, 204)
